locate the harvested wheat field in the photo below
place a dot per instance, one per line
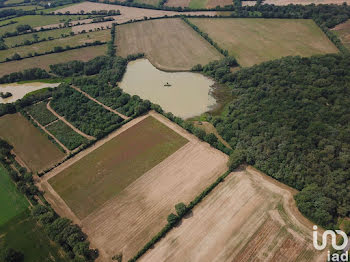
(256, 40)
(248, 217)
(128, 220)
(44, 61)
(343, 32)
(169, 44)
(178, 3)
(101, 175)
(126, 14)
(30, 145)
(305, 2)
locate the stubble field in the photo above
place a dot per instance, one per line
(249, 217)
(252, 41)
(104, 173)
(128, 219)
(33, 147)
(178, 46)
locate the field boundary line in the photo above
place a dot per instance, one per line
(101, 104)
(50, 134)
(88, 150)
(67, 123)
(58, 202)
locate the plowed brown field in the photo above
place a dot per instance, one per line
(249, 217)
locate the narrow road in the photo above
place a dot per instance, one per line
(50, 134)
(98, 102)
(67, 123)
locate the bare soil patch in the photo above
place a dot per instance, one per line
(246, 218)
(169, 44)
(343, 31)
(127, 221)
(252, 41)
(32, 146)
(126, 14)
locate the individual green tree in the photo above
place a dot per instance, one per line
(181, 209)
(172, 219)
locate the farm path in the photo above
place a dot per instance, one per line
(98, 102)
(50, 134)
(91, 148)
(68, 124)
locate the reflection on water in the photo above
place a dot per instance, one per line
(20, 90)
(184, 94)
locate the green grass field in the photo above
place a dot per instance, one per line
(105, 172)
(37, 21)
(12, 201)
(44, 62)
(11, 41)
(24, 7)
(41, 113)
(252, 41)
(195, 4)
(24, 234)
(32, 146)
(66, 135)
(77, 40)
(149, 2)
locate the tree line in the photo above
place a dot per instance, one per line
(61, 230)
(290, 119)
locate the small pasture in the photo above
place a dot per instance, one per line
(44, 62)
(31, 145)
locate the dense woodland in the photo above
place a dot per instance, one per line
(291, 120)
(83, 113)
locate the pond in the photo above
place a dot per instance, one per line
(20, 90)
(184, 94)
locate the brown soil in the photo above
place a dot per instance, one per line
(305, 2)
(249, 217)
(126, 222)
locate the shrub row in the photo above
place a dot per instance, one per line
(173, 219)
(206, 37)
(57, 49)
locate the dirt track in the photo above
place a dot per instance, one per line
(126, 14)
(68, 123)
(98, 102)
(126, 222)
(241, 220)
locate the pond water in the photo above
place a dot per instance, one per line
(20, 90)
(187, 95)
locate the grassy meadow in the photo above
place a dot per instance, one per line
(11, 41)
(44, 62)
(76, 40)
(252, 41)
(12, 201)
(31, 145)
